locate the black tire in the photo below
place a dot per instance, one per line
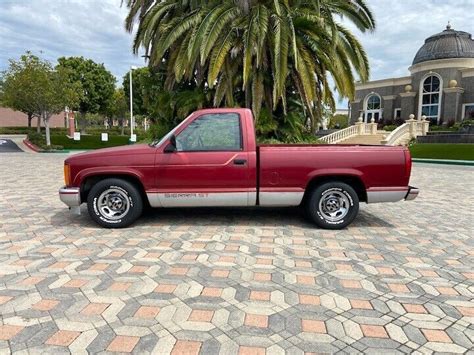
(125, 208)
(337, 198)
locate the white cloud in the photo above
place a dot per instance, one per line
(94, 29)
(402, 27)
(89, 28)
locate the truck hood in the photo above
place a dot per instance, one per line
(135, 149)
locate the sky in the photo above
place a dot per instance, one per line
(95, 29)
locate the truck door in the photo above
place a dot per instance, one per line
(210, 166)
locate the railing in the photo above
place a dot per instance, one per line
(419, 128)
(410, 129)
(340, 135)
(397, 134)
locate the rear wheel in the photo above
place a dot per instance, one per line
(114, 203)
(332, 205)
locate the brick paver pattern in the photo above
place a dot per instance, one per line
(230, 281)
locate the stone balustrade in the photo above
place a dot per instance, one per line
(410, 129)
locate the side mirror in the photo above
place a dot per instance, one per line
(171, 147)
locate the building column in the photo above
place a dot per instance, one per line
(72, 124)
(408, 102)
(452, 102)
(388, 107)
(355, 111)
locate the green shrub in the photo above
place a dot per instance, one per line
(36, 138)
(157, 131)
(40, 141)
(390, 128)
(89, 141)
(305, 139)
(436, 128)
(338, 121)
(466, 123)
(262, 140)
(26, 130)
(61, 141)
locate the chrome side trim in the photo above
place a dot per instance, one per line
(412, 193)
(195, 199)
(281, 198)
(385, 196)
(70, 196)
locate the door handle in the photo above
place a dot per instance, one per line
(240, 161)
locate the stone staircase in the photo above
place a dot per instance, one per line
(367, 133)
(372, 139)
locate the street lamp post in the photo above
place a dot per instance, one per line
(132, 136)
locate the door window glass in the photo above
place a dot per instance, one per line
(211, 132)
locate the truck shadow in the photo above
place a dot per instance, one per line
(252, 217)
(223, 216)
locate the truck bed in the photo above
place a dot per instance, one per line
(290, 167)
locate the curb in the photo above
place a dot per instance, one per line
(37, 149)
(444, 161)
(32, 146)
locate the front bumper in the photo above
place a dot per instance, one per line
(71, 196)
(412, 193)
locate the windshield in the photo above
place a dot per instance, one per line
(159, 142)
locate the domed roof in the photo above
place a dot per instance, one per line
(445, 45)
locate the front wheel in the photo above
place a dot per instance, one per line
(332, 205)
(114, 203)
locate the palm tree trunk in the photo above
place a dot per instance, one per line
(248, 95)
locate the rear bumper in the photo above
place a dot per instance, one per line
(412, 193)
(70, 196)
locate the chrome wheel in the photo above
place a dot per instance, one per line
(334, 205)
(113, 204)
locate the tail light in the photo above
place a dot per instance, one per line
(67, 174)
(407, 163)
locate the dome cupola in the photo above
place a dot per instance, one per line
(446, 45)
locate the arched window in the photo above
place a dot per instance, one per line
(430, 99)
(373, 103)
(373, 108)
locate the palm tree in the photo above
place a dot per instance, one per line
(262, 50)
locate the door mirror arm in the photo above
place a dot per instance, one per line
(171, 147)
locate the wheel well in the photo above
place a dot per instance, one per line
(353, 181)
(90, 181)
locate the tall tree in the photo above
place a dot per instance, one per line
(161, 102)
(19, 85)
(48, 90)
(56, 93)
(96, 82)
(264, 50)
(118, 108)
(140, 81)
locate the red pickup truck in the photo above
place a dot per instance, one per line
(212, 159)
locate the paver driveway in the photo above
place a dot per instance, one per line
(223, 280)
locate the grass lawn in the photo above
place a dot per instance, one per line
(443, 151)
(88, 142)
